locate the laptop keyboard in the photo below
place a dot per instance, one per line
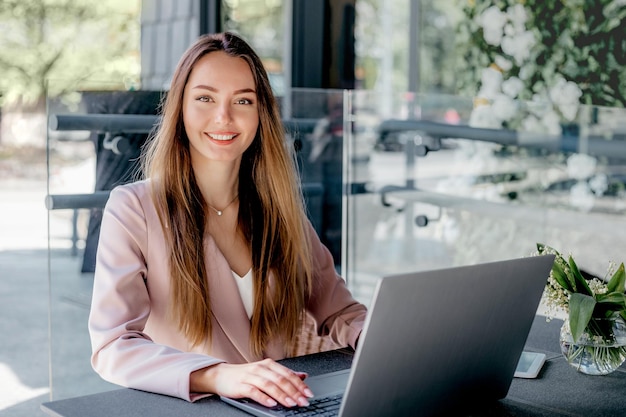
(318, 407)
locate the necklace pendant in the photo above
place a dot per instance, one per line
(220, 212)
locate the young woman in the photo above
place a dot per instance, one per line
(206, 267)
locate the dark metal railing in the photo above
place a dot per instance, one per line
(614, 147)
(115, 127)
(124, 123)
(139, 123)
(77, 201)
(128, 123)
(98, 199)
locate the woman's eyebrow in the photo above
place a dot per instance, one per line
(215, 90)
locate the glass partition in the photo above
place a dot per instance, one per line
(92, 147)
(314, 120)
(433, 192)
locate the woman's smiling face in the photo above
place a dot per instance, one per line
(220, 110)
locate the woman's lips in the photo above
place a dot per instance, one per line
(222, 136)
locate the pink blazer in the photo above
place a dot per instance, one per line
(136, 345)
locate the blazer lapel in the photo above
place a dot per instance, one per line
(226, 303)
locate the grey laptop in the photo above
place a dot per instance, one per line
(435, 339)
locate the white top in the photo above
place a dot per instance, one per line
(246, 290)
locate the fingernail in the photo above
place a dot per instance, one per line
(308, 393)
(272, 403)
(303, 402)
(290, 402)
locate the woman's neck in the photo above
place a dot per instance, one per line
(218, 182)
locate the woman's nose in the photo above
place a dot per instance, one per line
(222, 114)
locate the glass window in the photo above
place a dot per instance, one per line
(261, 23)
(383, 34)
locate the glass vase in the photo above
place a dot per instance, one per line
(600, 350)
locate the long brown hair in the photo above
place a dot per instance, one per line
(271, 210)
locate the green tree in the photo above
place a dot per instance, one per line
(55, 46)
(383, 30)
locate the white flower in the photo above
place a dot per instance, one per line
(597, 286)
(531, 124)
(490, 83)
(527, 71)
(581, 166)
(492, 20)
(504, 107)
(519, 46)
(503, 63)
(599, 184)
(581, 196)
(610, 270)
(512, 86)
(565, 95)
(517, 15)
(539, 105)
(483, 116)
(509, 30)
(551, 121)
(556, 297)
(548, 123)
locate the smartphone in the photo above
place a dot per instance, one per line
(529, 364)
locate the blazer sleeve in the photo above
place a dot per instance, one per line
(121, 352)
(335, 312)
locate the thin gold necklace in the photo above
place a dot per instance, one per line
(220, 212)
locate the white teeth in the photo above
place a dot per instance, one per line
(221, 137)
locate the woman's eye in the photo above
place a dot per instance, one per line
(243, 101)
(204, 99)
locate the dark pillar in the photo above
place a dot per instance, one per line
(323, 44)
(210, 16)
(308, 54)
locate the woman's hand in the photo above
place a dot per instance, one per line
(265, 382)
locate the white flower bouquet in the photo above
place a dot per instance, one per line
(593, 338)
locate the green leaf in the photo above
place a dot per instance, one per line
(618, 280)
(560, 277)
(580, 282)
(557, 267)
(580, 311)
(613, 301)
(615, 297)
